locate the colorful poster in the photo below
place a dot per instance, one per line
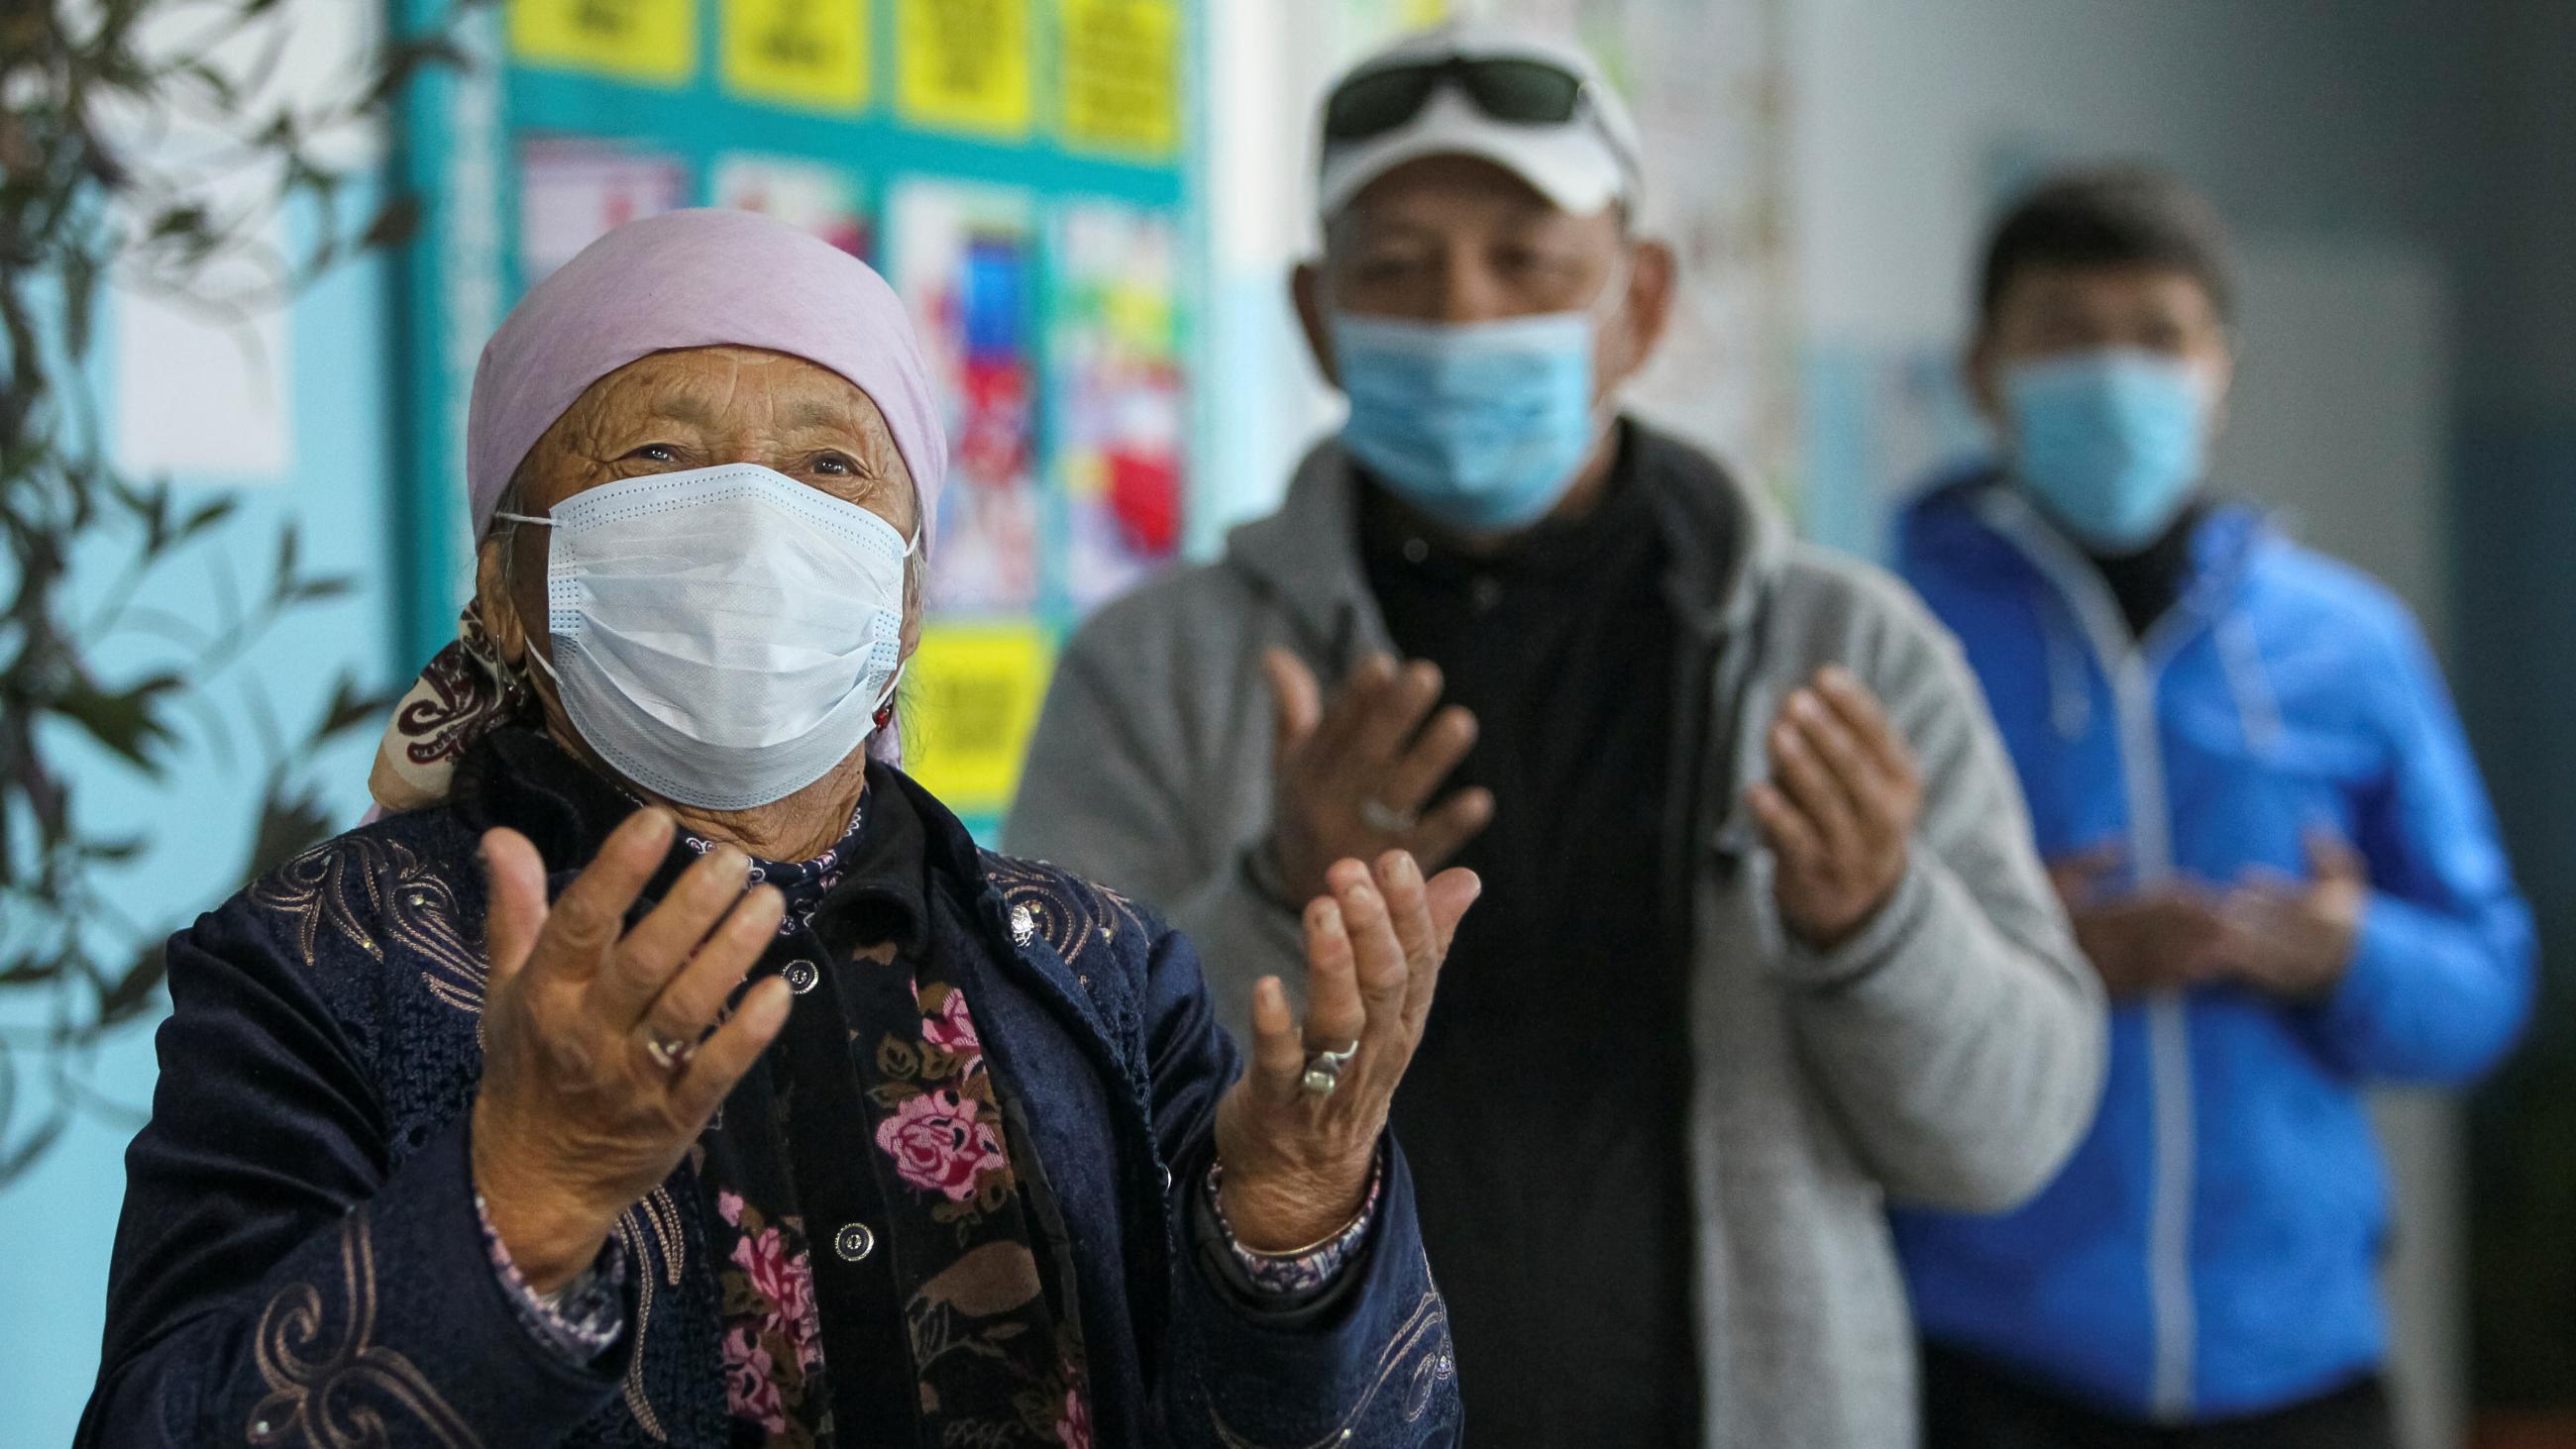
(574, 190)
(653, 42)
(973, 695)
(810, 54)
(963, 257)
(1122, 75)
(963, 65)
(808, 195)
(1120, 409)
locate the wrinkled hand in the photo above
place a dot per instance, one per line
(1354, 780)
(2294, 939)
(1839, 808)
(574, 1119)
(2164, 938)
(1297, 1166)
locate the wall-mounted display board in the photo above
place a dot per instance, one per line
(1017, 168)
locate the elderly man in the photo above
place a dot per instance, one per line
(1765, 944)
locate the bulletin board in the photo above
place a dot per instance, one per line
(1018, 169)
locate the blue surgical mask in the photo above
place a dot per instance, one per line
(722, 636)
(1479, 425)
(2112, 442)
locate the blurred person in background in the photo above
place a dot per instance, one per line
(2275, 846)
(1765, 941)
(469, 1130)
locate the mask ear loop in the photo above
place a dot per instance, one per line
(534, 655)
(885, 707)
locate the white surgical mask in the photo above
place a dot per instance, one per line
(725, 636)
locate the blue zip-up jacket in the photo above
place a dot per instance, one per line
(2211, 1249)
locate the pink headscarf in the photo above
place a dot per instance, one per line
(702, 278)
(697, 279)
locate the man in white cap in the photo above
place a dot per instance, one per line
(1765, 944)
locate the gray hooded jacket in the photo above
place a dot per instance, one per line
(1948, 1056)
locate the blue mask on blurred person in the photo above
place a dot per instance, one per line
(2111, 442)
(1479, 425)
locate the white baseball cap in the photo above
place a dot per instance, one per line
(1578, 147)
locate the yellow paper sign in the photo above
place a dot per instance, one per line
(808, 53)
(964, 65)
(975, 691)
(651, 41)
(1122, 75)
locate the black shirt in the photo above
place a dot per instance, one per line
(1544, 1115)
(2151, 580)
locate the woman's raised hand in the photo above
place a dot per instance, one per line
(1297, 1162)
(603, 1056)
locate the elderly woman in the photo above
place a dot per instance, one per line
(666, 1067)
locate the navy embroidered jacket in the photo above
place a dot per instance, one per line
(300, 1261)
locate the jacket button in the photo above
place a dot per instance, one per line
(854, 1242)
(801, 975)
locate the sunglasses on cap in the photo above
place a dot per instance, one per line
(1515, 91)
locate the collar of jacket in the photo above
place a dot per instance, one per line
(520, 777)
(1728, 544)
(1978, 524)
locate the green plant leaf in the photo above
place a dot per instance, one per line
(132, 991)
(352, 707)
(288, 545)
(188, 220)
(128, 721)
(290, 823)
(205, 516)
(28, 972)
(122, 848)
(393, 225)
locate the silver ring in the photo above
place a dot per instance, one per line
(668, 1052)
(1324, 1070)
(1376, 816)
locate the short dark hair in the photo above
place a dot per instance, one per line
(2110, 216)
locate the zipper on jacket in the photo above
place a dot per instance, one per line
(2133, 666)
(2169, 1290)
